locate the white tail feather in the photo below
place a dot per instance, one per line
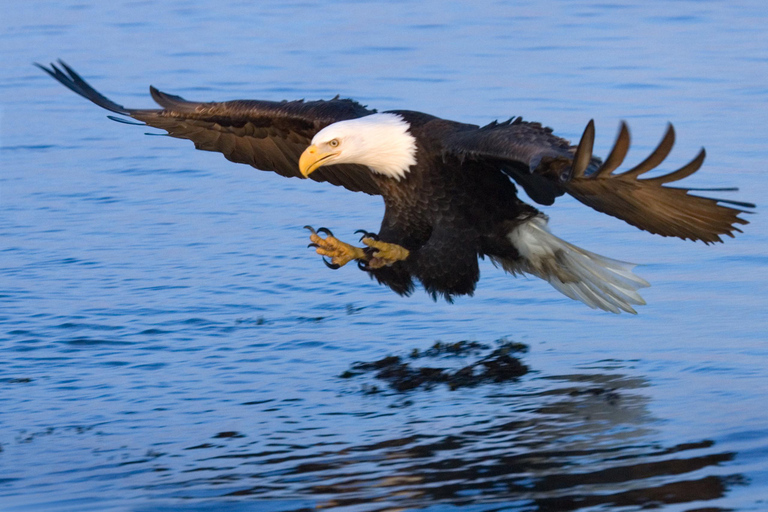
(595, 280)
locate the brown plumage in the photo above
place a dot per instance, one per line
(457, 202)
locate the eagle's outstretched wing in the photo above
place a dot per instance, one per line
(267, 135)
(547, 166)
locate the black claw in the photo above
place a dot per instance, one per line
(363, 265)
(311, 229)
(313, 245)
(367, 234)
(330, 265)
(326, 231)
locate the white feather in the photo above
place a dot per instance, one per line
(380, 141)
(595, 280)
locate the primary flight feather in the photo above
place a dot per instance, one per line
(449, 188)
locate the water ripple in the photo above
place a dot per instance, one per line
(169, 343)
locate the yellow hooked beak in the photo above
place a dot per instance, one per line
(312, 158)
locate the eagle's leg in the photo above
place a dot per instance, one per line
(377, 254)
(384, 254)
(340, 253)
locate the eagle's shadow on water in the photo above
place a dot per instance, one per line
(569, 442)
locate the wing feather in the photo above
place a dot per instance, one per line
(650, 206)
(547, 166)
(519, 148)
(657, 156)
(267, 135)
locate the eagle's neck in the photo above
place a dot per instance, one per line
(391, 147)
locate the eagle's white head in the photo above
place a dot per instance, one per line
(381, 142)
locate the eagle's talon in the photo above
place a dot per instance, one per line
(340, 253)
(311, 229)
(383, 254)
(367, 234)
(332, 266)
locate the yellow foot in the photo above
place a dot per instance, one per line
(386, 254)
(339, 252)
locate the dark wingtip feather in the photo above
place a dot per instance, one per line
(126, 121)
(618, 153)
(647, 204)
(171, 101)
(683, 172)
(657, 155)
(583, 156)
(74, 82)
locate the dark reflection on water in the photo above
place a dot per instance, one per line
(579, 441)
(406, 373)
(583, 442)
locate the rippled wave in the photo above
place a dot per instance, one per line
(169, 343)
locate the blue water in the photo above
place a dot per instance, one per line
(168, 342)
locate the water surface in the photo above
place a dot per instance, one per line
(168, 342)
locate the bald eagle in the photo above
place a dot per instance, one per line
(448, 188)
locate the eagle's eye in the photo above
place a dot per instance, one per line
(333, 143)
